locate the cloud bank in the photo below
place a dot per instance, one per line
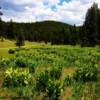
(68, 11)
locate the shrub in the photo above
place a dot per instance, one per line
(21, 62)
(54, 90)
(32, 66)
(32, 69)
(86, 74)
(16, 77)
(4, 62)
(55, 73)
(42, 81)
(11, 51)
(20, 39)
(48, 86)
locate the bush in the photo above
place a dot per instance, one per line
(11, 51)
(56, 72)
(42, 81)
(32, 66)
(4, 62)
(21, 62)
(86, 74)
(32, 69)
(16, 77)
(53, 90)
(50, 87)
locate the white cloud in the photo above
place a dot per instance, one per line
(72, 12)
(24, 2)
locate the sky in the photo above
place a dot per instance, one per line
(67, 11)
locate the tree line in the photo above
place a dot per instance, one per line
(56, 32)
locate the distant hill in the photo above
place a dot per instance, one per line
(47, 31)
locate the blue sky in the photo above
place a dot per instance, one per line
(68, 11)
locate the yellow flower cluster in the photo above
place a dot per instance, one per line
(17, 75)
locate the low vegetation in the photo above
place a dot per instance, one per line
(51, 72)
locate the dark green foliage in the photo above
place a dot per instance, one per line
(91, 25)
(47, 31)
(19, 43)
(1, 26)
(56, 72)
(86, 74)
(54, 90)
(11, 51)
(21, 62)
(32, 66)
(46, 85)
(10, 30)
(42, 81)
(20, 39)
(4, 62)
(8, 82)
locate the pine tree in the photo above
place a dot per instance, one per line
(98, 21)
(1, 26)
(20, 39)
(1, 12)
(10, 30)
(91, 25)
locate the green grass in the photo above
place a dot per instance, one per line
(4, 52)
(9, 44)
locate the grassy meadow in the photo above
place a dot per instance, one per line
(39, 71)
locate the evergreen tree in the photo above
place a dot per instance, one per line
(1, 12)
(1, 26)
(20, 39)
(91, 25)
(98, 21)
(10, 30)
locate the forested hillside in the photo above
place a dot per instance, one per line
(48, 31)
